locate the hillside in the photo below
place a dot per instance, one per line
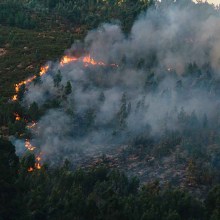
(108, 107)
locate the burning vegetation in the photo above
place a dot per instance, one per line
(27, 81)
(152, 91)
(86, 60)
(143, 103)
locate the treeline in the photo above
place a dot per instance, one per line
(91, 193)
(13, 13)
(23, 14)
(94, 12)
(80, 13)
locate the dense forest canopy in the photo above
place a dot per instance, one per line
(135, 95)
(89, 13)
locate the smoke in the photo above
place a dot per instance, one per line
(20, 146)
(166, 67)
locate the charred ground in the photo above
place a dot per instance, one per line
(171, 144)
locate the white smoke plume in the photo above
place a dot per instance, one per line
(151, 80)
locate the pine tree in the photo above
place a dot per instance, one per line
(102, 97)
(68, 88)
(57, 79)
(123, 113)
(33, 111)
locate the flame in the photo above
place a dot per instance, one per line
(15, 98)
(67, 59)
(29, 146)
(30, 169)
(86, 60)
(38, 158)
(17, 117)
(37, 164)
(31, 125)
(43, 71)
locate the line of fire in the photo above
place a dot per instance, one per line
(65, 60)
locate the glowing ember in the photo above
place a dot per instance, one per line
(17, 117)
(29, 146)
(30, 169)
(32, 125)
(15, 98)
(38, 158)
(38, 166)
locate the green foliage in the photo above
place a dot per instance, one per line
(68, 88)
(34, 112)
(43, 28)
(17, 127)
(213, 203)
(14, 14)
(8, 174)
(57, 79)
(91, 13)
(27, 162)
(123, 112)
(21, 92)
(98, 192)
(8, 110)
(91, 193)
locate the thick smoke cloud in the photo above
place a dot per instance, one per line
(147, 90)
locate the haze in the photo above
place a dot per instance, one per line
(215, 2)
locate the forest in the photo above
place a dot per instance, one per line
(109, 110)
(92, 193)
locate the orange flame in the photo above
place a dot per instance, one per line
(87, 60)
(15, 98)
(32, 125)
(37, 164)
(30, 169)
(29, 146)
(67, 59)
(43, 71)
(17, 117)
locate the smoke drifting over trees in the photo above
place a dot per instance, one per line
(165, 78)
